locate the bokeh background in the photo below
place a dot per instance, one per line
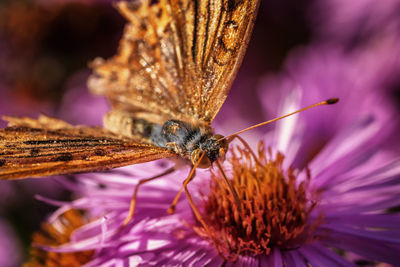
(344, 49)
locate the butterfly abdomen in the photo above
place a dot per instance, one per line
(124, 124)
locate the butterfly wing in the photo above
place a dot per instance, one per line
(177, 58)
(215, 35)
(47, 146)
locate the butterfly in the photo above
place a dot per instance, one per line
(175, 65)
(173, 70)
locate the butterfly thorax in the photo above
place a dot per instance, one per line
(185, 139)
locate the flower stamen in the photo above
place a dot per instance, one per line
(55, 234)
(274, 209)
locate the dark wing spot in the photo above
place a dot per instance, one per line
(2, 162)
(223, 45)
(143, 26)
(159, 13)
(231, 24)
(64, 157)
(233, 4)
(99, 152)
(34, 152)
(21, 129)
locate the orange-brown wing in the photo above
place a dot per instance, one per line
(215, 36)
(32, 148)
(177, 58)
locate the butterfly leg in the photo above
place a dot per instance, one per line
(171, 209)
(198, 215)
(133, 200)
(194, 207)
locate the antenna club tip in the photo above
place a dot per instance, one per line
(332, 101)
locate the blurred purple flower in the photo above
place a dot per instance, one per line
(363, 28)
(10, 248)
(16, 105)
(355, 22)
(347, 189)
(360, 80)
(78, 106)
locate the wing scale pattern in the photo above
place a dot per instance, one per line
(177, 58)
(30, 150)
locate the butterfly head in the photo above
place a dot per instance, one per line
(214, 148)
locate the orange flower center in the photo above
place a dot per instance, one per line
(56, 234)
(274, 209)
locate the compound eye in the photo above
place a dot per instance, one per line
(195, 156)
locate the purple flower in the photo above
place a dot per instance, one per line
(78, 106)
(356, 22)
(360, 80)
(287, 216)
(10, 247)
(58, 233)
(365, 29)
(16, 105)
(318, 192)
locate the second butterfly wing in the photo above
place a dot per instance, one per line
(177, 58)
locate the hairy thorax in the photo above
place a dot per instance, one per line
(183, 138)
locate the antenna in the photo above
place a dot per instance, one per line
(326, 102)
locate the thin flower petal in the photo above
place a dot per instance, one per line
(294, 258)
(320, 256)
(378, 251)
